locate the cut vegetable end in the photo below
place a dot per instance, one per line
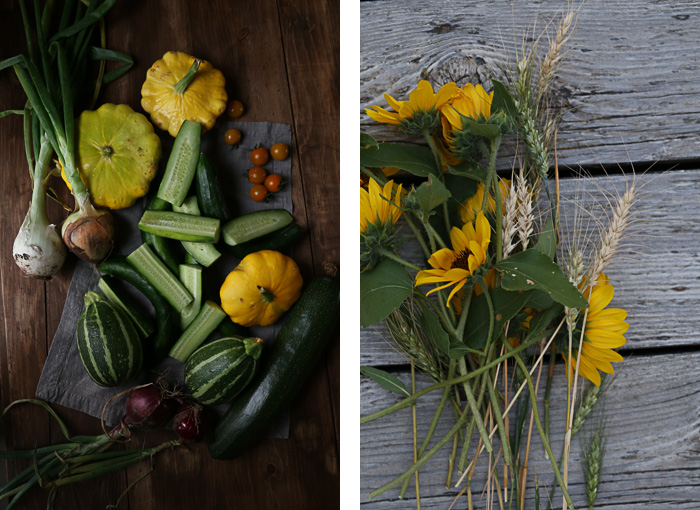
(158, 275)
(207, 320)
(182, 164)
(254, 225)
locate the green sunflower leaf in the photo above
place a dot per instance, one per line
(385, 380)
(431, 194)
(490, 131)
(502, 100)
(382, 290)
(415, 159)
(542, 319)
(469, 169)
(532, 269)
(547, 242)
(368, 140)
(506, 304)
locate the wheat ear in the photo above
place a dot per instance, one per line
(555, 52)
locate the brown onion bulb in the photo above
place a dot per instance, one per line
(90, 237)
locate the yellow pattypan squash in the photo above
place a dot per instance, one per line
(180, 87)
(118, 155)
(261, 288)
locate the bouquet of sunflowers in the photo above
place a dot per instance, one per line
(469, 270)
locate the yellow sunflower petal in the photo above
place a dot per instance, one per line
(445, 94)
(605, 339)
(459, 240)
(396, 105)
(442, 259)
(381, 115)
(454, 291)
(483, 231)
(593, 352)
(457, 273)
(600, 298)
(609, 314)
(608, 325)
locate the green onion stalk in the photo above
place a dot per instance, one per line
(52, 75)
(38, 249)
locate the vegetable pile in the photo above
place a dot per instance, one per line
(109, 158)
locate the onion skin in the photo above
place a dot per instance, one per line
(191, 423)
(38, 249)
(148, 407)
(90, 237)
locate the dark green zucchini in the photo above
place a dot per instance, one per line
(163, 247)
(277, 241)
(167, 319)
(295, 354)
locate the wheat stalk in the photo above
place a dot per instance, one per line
(612, 239)
(509, 221)
(525, 211)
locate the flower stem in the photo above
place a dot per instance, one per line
(396, 258)
(418, 235)
(495, 143)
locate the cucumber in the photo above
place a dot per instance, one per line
(297, 350)
(204, 253)
(109, 287)
(180, 226)
(191, 278)
(254, 225)
(161, 246)
(277, 241)
(218, 371)
(157, 347)
(209, 196)
(182, 163)
(158, 275)
(108, 342)
(207, 320)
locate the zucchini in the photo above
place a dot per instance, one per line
(254, 225)
(295, 353)
(109, 287)
(207, 320)
(154, 270)
(209, 196)
(230, 328)
(181, 226)
(218, 371)
(204, 253)
(157, 347)
(108, 342)
(182, 163)
(277, 241)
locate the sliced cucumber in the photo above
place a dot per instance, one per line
(254, 225)
(182, 163)
(154, 270)
(191, 278)
(207, 320)
(144, 324)
(279, 240)
(180, 226)
(204, 253)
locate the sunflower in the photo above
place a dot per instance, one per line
(419, 113)
(454, 266)
(379, 206)
(604, 332)
(469, 101)
(470, 207)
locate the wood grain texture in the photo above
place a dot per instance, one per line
(631, 65)
(653, 427)
(264, 49)
(657, 277)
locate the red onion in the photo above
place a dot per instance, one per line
(148, 407)
(191, 422)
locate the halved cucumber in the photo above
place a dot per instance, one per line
(255, 224)
(182, 163)
(181, 226)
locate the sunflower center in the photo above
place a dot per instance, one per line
(462, 259)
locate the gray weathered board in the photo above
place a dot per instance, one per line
(635, 70)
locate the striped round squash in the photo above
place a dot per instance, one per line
(108, 342)
(218, 371)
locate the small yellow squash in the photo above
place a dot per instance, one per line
(118, 155)
(180, 87)
(261, 288)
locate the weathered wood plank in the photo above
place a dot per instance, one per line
(658, 282)
(653, 419)
(632, 65)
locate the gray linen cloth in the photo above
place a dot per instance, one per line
(64, 380)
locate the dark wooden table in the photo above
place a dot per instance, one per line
(633, 68)
(281, 59)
